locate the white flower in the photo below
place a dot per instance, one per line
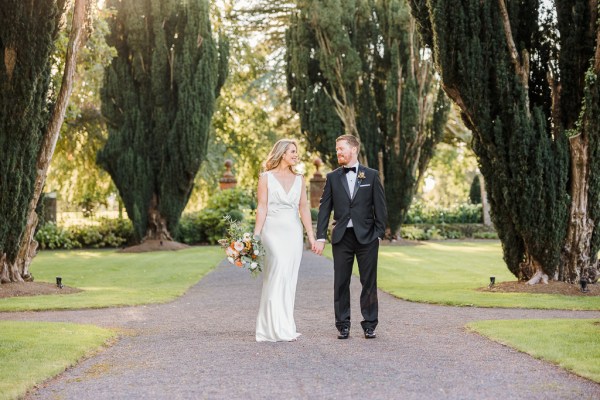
(253, 265)
(230, 259)
(239, 246)
(256, 252)
(247, 237)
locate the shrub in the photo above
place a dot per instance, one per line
(413, 233)
(447, 231)
(208, 225)
(420, 213)
(108, 233)
(314, 214)
(51, 236)
(485, 235)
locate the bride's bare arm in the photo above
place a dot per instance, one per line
(305, 214)
(261, 209)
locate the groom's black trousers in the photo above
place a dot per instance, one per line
(343, 260)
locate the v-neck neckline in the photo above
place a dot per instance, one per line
(282, 187)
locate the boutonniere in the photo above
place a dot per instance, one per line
(361, 175)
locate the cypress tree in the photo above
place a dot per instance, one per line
(31, 112)
(522, 77)
(356, 67)
(158, 98)
(475, 191)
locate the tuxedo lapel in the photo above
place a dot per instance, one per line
(344, 182)
(357, 181)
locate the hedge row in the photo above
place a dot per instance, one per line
(420, 213)
(108, 233)
(208, 225)
(447, 231)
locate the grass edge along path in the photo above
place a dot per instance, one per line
(112, 279)
(450, 272)
(572, 344)
(33, 352)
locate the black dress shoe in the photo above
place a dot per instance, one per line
(344, 333)
(370, 333)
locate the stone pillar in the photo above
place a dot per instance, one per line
(317, 184)
(227, 181)
(49, 208)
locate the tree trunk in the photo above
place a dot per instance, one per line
(157, 224)
(19, 270)
(530, 270)
(576, 252)
(485, 206)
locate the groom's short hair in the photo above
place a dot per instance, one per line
(351, 139)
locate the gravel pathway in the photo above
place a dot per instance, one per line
(202, 346)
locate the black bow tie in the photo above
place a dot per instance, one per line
(346, 169)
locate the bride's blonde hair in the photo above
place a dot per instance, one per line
(276, 154)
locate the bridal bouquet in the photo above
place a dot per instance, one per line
(242, 249)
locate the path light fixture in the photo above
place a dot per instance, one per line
(59, 282)
(492, 282)
(583, 284)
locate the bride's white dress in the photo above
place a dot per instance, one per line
(282, 239)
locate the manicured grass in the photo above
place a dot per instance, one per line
(32, 352)
(110, 279)
(573, 344)
(449, 273)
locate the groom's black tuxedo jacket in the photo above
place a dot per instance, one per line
(366, 207)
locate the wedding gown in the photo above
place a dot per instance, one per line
(282, 239)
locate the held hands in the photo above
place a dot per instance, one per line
(317, 247)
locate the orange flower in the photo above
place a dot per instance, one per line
(238, 263)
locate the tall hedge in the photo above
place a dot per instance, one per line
(520, 71)
(28, 30)
(158, 98)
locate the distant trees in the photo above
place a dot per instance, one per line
(158, 99)
(74, 174)
(253, 111)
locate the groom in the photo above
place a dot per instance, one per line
(355, 194)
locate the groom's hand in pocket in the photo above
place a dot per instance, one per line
(318, 247)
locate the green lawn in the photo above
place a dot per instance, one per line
(110, 279)
(573, 344)
(448, 273)
(31, 352)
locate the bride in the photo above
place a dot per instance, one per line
(282, 204)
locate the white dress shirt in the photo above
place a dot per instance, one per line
(351, 179)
